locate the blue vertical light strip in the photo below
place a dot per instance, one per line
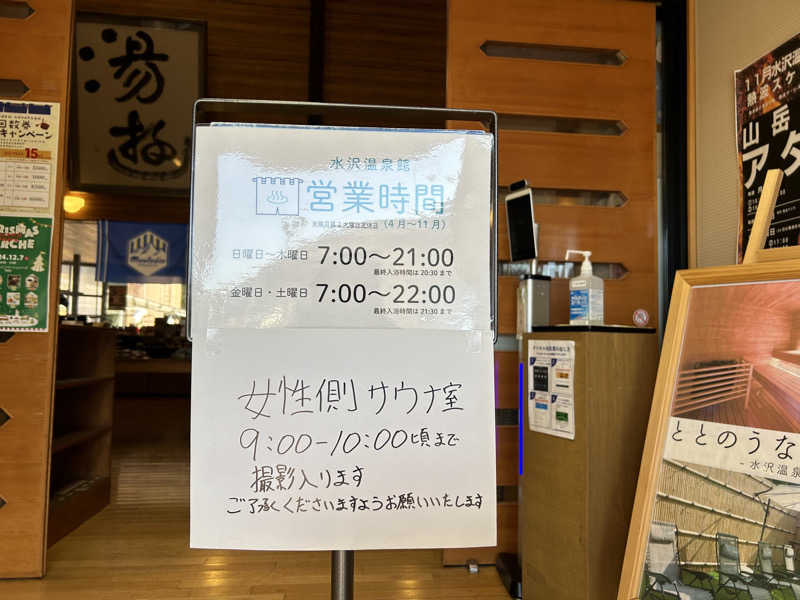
(521, 418)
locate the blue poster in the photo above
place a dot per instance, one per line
(141, 252)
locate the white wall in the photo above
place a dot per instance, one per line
(730, 34)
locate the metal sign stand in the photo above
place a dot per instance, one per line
(342, 568)
(209, 110)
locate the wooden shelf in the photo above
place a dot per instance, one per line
(74, 382)
(154, 365)
(68, 440)
(80, 473)
(68, 511)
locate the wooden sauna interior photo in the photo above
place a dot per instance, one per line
(739, 363)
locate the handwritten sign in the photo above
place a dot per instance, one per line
(342, 382)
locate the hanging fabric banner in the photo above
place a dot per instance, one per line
(141, 252)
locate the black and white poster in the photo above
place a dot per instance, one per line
(768, 137)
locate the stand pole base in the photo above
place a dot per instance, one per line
(342, 567)
(508, 568)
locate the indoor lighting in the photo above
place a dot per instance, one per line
(73, 204)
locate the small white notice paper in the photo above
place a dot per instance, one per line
(551, 405)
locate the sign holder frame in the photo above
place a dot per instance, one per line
(216, 110)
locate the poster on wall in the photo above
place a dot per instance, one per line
(28, 157)
(768, 137)
(340, 281)
(136, 82)
(24, 272)
(28, 179)
(551, 405)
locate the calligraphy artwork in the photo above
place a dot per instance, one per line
(136, 82)
(718, 503)
(768, 137)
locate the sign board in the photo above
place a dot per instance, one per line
(342, 377)
(551, 404)
(767, 137)
(28, 159)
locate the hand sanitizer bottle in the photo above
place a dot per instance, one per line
(585, 294)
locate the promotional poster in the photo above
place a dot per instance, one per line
(768, 137)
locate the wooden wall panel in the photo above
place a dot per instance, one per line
(739, 322)
(507, 451)
(36, 50)
(507, 304)
(506, 370)
(506, 540)
(255, 50)
(625, 163)
(385, 52)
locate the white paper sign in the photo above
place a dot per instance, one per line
(551, 405)
(332, 410)
(28, 157)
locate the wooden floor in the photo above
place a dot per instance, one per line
(137, 549)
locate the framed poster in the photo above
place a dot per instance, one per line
(718, 499)
(768, 137)
(135, 81)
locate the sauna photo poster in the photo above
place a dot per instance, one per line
(718, 501)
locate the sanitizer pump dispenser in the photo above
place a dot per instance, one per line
(585, 294)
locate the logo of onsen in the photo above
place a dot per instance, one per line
(147, 253)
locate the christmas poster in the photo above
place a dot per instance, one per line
(768, 137)
(24, 272)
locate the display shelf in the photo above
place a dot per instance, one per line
(74, 503)
(75, 438)
(80, 470)
(74, 382)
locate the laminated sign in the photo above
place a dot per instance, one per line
(551, 405)
(342, 379)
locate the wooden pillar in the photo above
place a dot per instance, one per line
(37, 51)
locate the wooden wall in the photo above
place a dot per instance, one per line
(739, 322)
(385, 52)
(549, 101)
(37, 51)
